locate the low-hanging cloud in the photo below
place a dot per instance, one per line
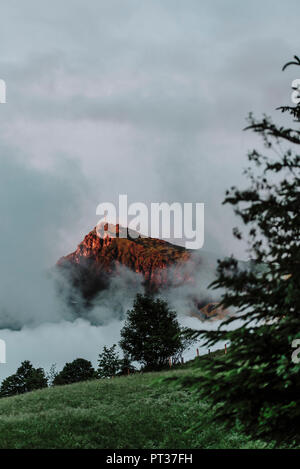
(37, 209)
(140, 98)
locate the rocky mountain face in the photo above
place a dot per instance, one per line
(107, 249)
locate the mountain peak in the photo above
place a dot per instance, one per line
(104, 253)
(104, 249)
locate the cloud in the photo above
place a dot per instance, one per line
(37, 211)
(141, 98)
(150, 98)
(58, 343)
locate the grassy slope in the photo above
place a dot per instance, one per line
(126, 412)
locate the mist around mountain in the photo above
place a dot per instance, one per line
(109, 263)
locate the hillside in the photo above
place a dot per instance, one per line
(138, 411)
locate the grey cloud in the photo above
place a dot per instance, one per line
(37, 210)
(143, 98)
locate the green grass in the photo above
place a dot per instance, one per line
(138, 411)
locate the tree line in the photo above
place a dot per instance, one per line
(150, 337)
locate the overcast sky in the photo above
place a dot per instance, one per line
(107, 97)
(147, 98)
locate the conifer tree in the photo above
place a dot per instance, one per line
(257, 382)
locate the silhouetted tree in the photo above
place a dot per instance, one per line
(74, 372)
(126, 366)
(27, 378)
(152, 334)
(257, 382)
(109, 362)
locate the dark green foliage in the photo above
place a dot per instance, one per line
(109, 362)
(24, 380)
(126, 366)
(74, 372)
(152, 334)
(256, 382)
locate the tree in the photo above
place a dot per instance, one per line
(257, 382)
(74, 372)
(152, 334)
(51, 375)
(27, 378)
(109, 362)
(126, 366)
